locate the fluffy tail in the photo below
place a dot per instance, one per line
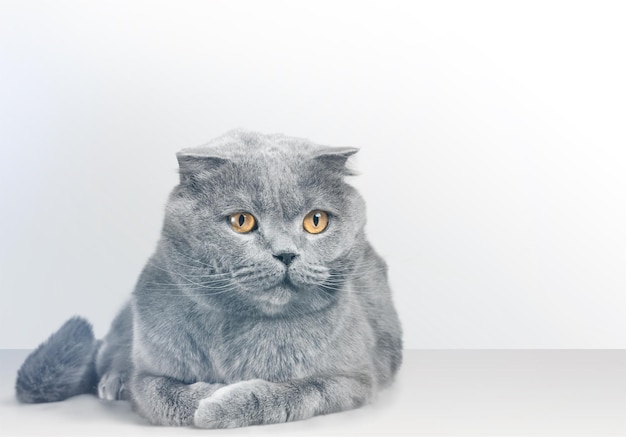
(62, 366)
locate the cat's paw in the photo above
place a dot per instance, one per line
(111, 387)
(235, 405)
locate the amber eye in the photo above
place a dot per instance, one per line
(242, 222)
(315, 222)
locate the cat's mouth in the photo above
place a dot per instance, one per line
(286, 284)
(287, 281)
(276, 296)
(287, 292)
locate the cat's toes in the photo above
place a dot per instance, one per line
(232, 406)
(111, 387)
(210, 414)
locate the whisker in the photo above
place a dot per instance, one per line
(187, 277)
(193, 259)
(192, 294)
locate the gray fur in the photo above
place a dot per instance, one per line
(220, 333)
(61, 367)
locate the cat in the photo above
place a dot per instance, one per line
(263, 302)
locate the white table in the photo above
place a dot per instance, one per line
(438, 392)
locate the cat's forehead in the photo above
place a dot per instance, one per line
(273, 172)
(272, 178)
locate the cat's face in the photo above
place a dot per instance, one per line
(264, 224)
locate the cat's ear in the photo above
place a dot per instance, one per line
(335, 158)
(192, 162)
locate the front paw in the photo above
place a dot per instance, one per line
(111, 387)
(236, 405)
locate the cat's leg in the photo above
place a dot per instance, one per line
(113, 360)
(166, 401)
(113, 367)
(258, 402)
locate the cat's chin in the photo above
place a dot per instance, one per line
(275, 299)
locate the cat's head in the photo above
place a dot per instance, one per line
(263, 223)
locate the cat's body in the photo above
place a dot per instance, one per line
(234, 325)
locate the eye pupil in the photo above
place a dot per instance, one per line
(316, 219)
(242, 219)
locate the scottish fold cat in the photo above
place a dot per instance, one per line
(263, 302)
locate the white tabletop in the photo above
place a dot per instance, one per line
(438, 392)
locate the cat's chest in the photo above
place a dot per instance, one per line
(214, 347)
(272, 350)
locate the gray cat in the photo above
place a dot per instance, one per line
(263, 302)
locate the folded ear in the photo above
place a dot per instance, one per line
(192, 162)
(335, 158)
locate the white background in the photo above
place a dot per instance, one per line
(493, 150)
